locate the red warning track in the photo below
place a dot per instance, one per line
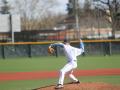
(6, 76)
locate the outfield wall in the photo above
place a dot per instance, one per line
(32, 49)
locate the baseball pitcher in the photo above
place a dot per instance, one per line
(71, 54)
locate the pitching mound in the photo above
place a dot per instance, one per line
(84, 86)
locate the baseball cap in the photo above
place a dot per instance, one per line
(66, 41)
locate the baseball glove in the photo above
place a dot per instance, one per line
(51, 50)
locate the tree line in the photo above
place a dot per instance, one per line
(109, 10)
(39, 14)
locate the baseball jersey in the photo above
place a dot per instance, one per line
(70, 52)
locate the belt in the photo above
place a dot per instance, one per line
(73, 60)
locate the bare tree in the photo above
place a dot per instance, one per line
(111, 10)
(87, 6)
(32, 11)
(5, 8)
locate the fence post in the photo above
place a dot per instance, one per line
(3, 52)
(110, 50)
(29, 51)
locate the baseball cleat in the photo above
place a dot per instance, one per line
(59, 86)
(77, 82)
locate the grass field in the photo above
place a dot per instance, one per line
(52, 63)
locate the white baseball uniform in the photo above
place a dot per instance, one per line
(71, 54)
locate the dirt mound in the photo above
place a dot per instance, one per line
(84, 86)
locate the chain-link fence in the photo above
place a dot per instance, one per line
(38, 49)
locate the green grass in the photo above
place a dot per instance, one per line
(31, 64)
(105, 79)
(52, 63)
(99, 62)
(26, 84)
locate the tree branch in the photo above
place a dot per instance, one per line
(104, 11)
(108, 20)
(106, 3)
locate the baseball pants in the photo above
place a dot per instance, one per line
(67, 68)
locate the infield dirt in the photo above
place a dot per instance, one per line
(84, 86)
(8, 76)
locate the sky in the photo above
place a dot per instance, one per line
(62, 5)
(60, 8)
